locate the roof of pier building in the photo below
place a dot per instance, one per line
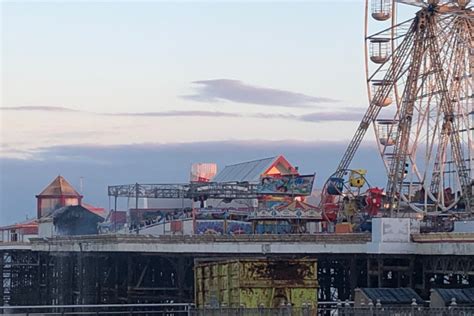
(391, 296)
(461, 296)
(29, 226)
(253, 171)
(59, 187)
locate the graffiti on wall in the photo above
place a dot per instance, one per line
(209, 227)
(273, 227)
(238, 228)
(219, 227)
(287, 185)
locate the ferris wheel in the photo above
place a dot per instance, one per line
(419, 81)
(420, 88)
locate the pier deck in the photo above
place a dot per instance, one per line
(458, 244)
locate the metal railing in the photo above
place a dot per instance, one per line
(326, 310)
(323, 309)
(405, 311)
(174, 309)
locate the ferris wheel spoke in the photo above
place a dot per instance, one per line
(425, 95)
(400, 26)
(450, 125)
(439, 161)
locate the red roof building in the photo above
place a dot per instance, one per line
(19, 232)
(94, 209)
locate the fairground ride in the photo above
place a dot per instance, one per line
(420, 89)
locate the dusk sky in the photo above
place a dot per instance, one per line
(120, 92)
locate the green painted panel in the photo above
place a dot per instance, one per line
(251, 282)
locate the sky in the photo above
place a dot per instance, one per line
(122, 92)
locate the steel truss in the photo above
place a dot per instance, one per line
(24, 277)
(186, 191)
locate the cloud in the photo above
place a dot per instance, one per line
(179, 113)
(331, 116)
(237, 91)
(38, 108)
(341, 114)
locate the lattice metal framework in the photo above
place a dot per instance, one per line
(187, 191)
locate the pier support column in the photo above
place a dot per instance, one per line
(379, 272)
(2, 283)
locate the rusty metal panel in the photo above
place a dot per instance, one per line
(256, 282)
(283, 272)
(198, 286)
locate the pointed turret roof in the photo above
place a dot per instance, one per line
(59, 187)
